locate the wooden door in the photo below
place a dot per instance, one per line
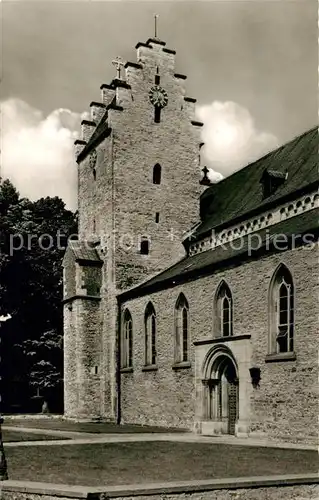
(232, 406)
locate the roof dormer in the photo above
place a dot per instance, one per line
(271, 180)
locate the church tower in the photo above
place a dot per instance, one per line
(138, 190)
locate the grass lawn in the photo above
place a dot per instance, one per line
(94, 427)
(141, 462)
(11, 436)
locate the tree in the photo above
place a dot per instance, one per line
(33, 238)
(45, 363)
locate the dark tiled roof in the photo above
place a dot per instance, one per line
(242, 192)
(84, 252)
(223, 256)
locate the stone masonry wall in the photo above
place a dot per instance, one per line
(138, 144)
(284, 406)
(82, 359)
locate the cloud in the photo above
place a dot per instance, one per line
(214, 176)
(231, 138)
(37, 152)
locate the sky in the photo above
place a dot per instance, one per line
(251, 65)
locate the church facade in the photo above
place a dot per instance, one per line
(186, 304)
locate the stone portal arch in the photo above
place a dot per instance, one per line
(221, 390)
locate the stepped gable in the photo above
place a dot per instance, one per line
(100, 124)
(240, 194)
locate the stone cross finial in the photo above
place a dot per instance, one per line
(118, 63)
(205, 171)
(155, 25)
(205, 180)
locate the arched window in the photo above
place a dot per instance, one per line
(223, 311)
(181, 329)
(127, 340)
(157, 173)
(281, 311)
(150, 335)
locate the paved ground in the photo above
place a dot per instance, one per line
(58, 423)
(77, 437)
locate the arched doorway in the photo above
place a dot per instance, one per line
(221, 388)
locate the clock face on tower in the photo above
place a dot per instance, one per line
(158, 96)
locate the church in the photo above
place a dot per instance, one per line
(188, 304)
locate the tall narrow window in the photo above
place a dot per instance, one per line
(157, 114)
(157, 174)
(157, 109)
(157, 217)
(181, 329)
(226, 314)
(281, 312)
(127, 340)
(145, 247)
(150, 335)
(223, 311)
(157, 79)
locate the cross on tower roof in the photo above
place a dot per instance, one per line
(205, 171)
(117, 62)
(205, 181)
